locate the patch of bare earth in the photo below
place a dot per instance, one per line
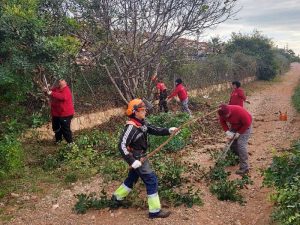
(268, 133)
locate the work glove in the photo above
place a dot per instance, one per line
(229, 134)
(173, 130)
(236, 135)
(136, 164)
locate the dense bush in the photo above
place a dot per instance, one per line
(257, 46)
(282, 60)
(296, 98)
(29, 50)
(11, 156)
(284, 175)
(169, 120)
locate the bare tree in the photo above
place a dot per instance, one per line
(137, 33)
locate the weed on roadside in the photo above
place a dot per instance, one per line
(91, 201)
(223, 188)
(226, 190)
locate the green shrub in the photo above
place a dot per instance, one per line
(283, 168)
(169, 171)
(226, 190)
(284, 175)
(38, 119)
(220, 186)
(11, 155)
(259, 48)
(169, 120)
(71, 178)
(90, 201)
(296, 98)
(113, 169)
(51, 162)
(103, 141)
(218, 173)
(287, 201)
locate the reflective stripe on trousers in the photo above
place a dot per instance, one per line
(154, 203)
(122, 192)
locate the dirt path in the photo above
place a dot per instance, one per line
(268, 133)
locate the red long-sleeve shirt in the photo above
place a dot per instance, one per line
(61, 102)
(180, 91)
(161, 86)
(239, 119)
(237, 97)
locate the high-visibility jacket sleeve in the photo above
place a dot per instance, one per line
(125, 140)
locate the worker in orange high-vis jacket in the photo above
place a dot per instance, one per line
(182, 95)
(133, 146)
(237, 96)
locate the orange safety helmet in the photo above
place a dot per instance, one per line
(134, 105)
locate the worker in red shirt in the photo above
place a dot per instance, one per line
(236, 122)
(62, 110)
(237, 96)
(182, 95)
(162, 93)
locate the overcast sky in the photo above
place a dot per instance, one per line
(279, 20)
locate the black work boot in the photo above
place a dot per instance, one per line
(160, 214)
(115, 203)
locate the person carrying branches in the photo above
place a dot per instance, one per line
(62, 110)
(133, 146)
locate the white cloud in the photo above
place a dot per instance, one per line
(276, 19)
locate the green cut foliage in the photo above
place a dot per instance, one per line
(284, 176)
(226, 190)
(91, 201)
(168, 120)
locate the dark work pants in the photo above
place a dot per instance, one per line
(61, 127)
(150, 180)
(162, 101)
